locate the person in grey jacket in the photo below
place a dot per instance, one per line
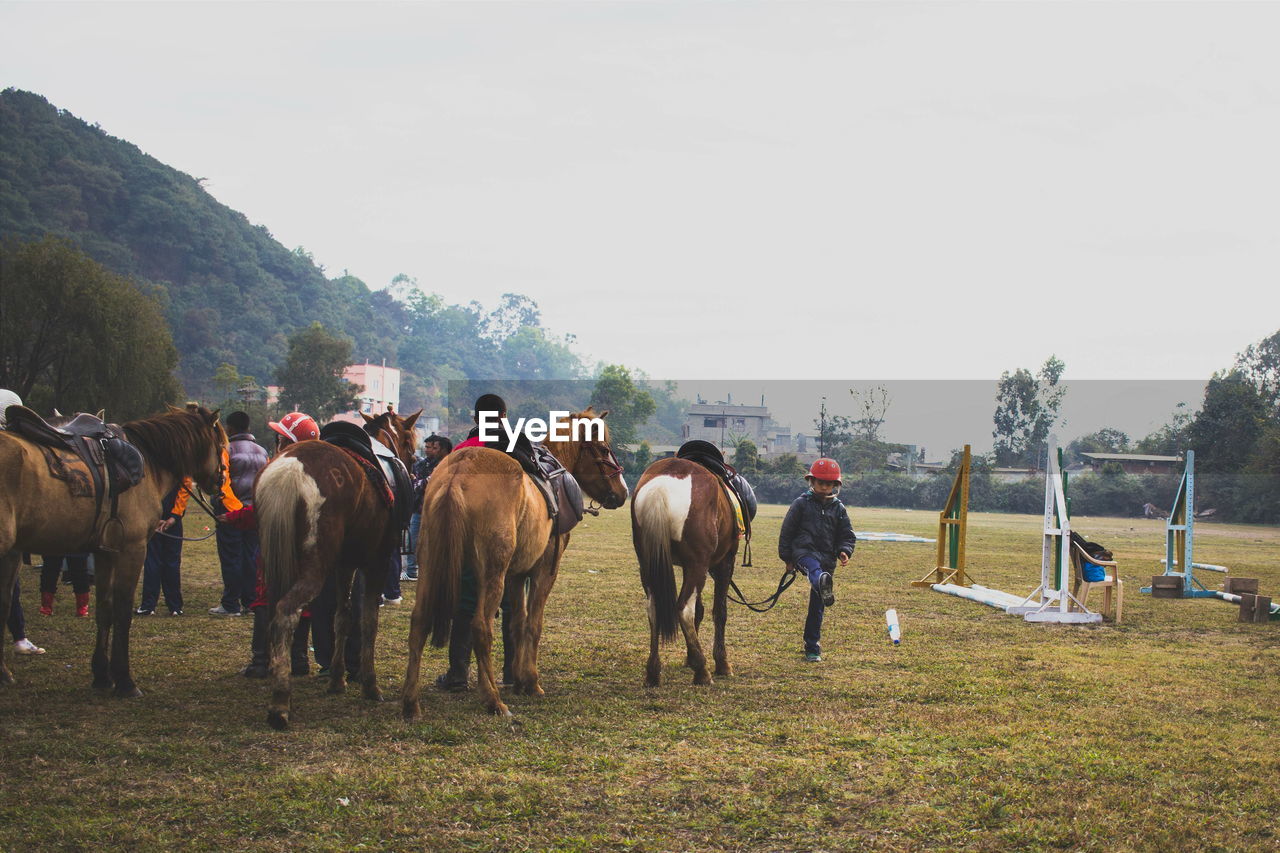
(816, 535)
(238, 549)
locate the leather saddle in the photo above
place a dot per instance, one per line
(737, 488)
(380, 458)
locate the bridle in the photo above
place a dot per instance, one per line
(608, 465)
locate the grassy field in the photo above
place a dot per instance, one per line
(979, 732)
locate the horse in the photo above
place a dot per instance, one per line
(481, 513)
(39, 514)
(681, 516)
(320, 516)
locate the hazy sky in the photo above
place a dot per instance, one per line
(736, 190)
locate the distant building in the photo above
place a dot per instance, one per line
(381, 386)
(1134, 463)
(721, 423)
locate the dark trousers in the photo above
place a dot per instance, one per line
(813, 622)
(391, 589)
(17, 620)
(77, 568)
(322, 610)
(163, 570)
(237, 553)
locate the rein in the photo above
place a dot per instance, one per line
(765, 605)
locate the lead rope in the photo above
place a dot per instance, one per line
(764, 606)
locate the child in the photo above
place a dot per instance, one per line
(815, 535)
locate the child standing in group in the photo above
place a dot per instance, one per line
(816, 534)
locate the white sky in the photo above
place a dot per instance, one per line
(737, 191)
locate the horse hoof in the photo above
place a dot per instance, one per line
(652, 681)
(725, 671)
(374, 695)
(278, 720)
(336, 686)
(6, 677)
(411, 711)
(501, 709)
(702, 678)
(103, 684)
(131, 692)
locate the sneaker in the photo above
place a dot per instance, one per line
(813, 657)
(26, 647)
(222, 611)
(175, 612)
(395, 600)
(142, 611)
(824, 589)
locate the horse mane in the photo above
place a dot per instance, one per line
(174, 441)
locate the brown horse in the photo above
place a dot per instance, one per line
(38, 514)
(681, 516)
(319, 516)
(483, 515)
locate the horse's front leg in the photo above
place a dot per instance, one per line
(123, 583)
(722, 575)
(542, 582)
(8, 578)
(375, 582)
(489, 593)
(517, 617)
(341, 628)
(104, 570)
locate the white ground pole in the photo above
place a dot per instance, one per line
(1235, 599)
(1048, 603)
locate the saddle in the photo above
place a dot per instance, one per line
(395, 484)
(739, 492)
(113, 465)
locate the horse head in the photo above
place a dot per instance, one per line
(594, 464)
(211, 471)
(395, 432)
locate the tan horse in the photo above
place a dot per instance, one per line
(39, 515)
(681, 516)
(482, 514)
(320, 516)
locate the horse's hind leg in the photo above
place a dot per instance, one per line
(8, 577)
(538, 594)
(653, 669)
(517, 617)
(410, 706)
(689, 594)
(124, 580)
(280, 637)
(722, 574)
(490, 589)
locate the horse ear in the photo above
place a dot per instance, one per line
(367, 418)
(56, 413)
(411, 420)
(172, 408)
(213, 416)
(102, 414)
(603, 414)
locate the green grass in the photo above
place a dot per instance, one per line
(979, 732)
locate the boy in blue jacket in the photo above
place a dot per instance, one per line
(816, 534)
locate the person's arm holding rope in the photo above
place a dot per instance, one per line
(179, 508)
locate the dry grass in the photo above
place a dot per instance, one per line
(979, 732)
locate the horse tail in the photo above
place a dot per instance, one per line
(287, 504)
(653, 534)
(444, 530)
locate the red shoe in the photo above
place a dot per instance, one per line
(46, 604)
(82, 604)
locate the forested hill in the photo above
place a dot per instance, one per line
(232, 293)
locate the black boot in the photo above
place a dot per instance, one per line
(260, 663)
(298, 651)
(455, 680)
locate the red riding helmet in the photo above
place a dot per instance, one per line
(825, 469)
(296, 426)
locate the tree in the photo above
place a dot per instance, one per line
(628, 404)
(1105, 440)
(873, 403)
(1228, 425)
(76, 337)
(1260, 364)
(1026, 409)
(1171, 439)
(746, 458)
(312, 373)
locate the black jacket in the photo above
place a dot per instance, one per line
(816, 529)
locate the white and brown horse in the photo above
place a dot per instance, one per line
(681, 516)
(320, 515)
(39, 514)
(482, 514)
